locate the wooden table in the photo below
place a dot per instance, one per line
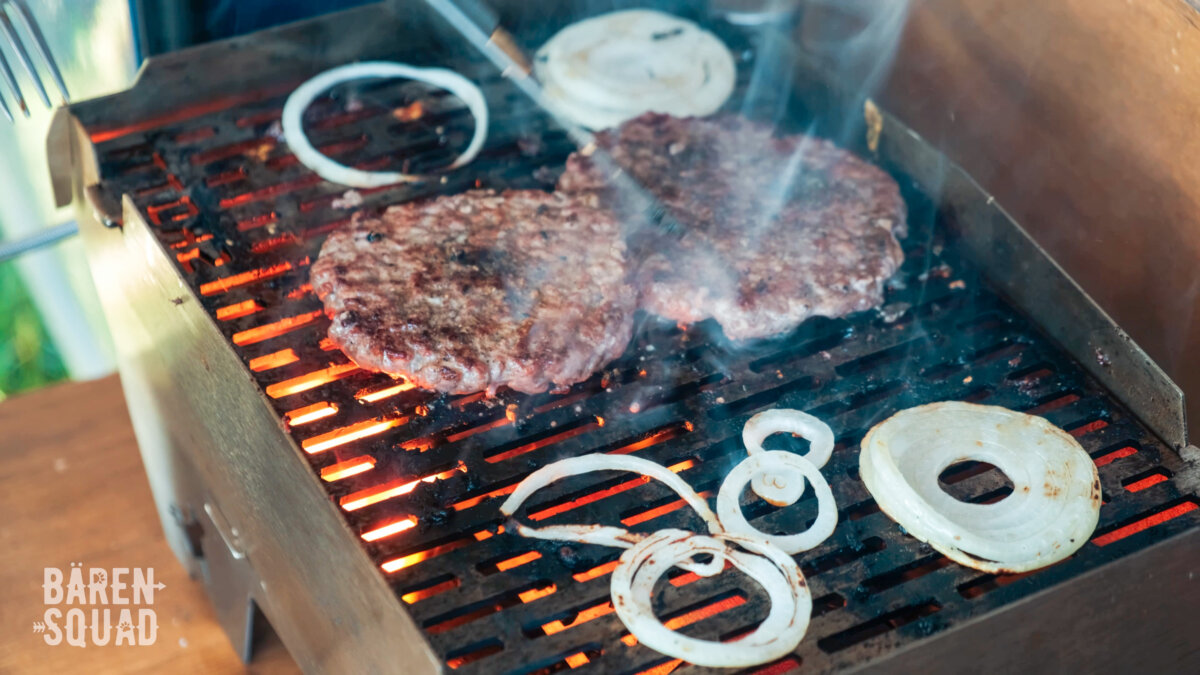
(72, 489)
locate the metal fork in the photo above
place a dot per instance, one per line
(15, 9)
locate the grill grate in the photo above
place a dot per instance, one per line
(419, 477)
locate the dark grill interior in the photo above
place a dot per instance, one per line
(420, 477)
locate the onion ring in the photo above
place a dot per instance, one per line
(590, 534)
(610, 68)
(640, 568)
(305, 94)
(775, 463)
(785, 486)
(1052, 511)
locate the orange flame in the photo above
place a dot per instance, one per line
(395, 488)
(583, 616)
(663, 668)
(530, 447)
(596, 572)
(310, 413)
(350, 467)
(223, 285)
(475, 501)
(411, 559)
(238, 310)
(311, 380)
(369, 396)
(604, 494)
(695, 616)
(274, 329)
(1148, 481)
(505, 565)
(1113, 456)
(417, 596)
(388, 530)
(537, 593)
(349, 434)
(1145, 523)
(278, 359)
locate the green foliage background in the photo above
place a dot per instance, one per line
(27, 357)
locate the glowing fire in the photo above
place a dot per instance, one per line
(658, 511)
(583, 616)
(417, 596)
(223, 285)
(505, 565)
(596, 572)
(349, 434)
(310, 413)
(663, 668)
(604, 494)
(391, 528)
(1145, 523)
(391, 489)
(350, 467)
(530, 447)
(275, 329)
(238, 310)
(278, 359)
(475, 501)
(695, 616)
(369, 396)
(537, 593)
(311, 380)
(421, 556)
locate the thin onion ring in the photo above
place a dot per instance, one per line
(588, 464)
(639, 569)
(305, 94)
(774, 463)
(785, 486)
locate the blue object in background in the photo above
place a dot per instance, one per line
(167, 25)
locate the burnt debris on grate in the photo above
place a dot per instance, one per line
(420, 476)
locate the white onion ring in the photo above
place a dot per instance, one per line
(641, 567)
(783, 486)
(613, 67)
(777, 463)
(305, 94)
(1052, 511)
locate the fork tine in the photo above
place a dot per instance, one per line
(6, 26)
(6, 74)
(39, 44)
(4, 107)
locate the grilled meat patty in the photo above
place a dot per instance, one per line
(778, 229)
(478, 290)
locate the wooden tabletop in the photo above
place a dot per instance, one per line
(72, 489)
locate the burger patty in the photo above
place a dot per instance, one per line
(777, 229)
(478, 290)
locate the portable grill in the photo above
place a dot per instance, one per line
(360, 514)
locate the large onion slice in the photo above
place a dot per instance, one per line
(305, 94)
(611, 68)
(642, 566)
(1052, 511)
